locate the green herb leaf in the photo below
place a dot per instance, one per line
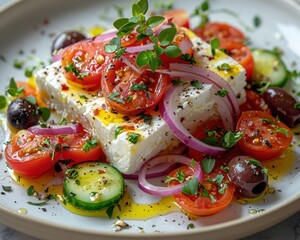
(45, 113)
(7, 188)
(214, 44)
(173, 51)
(231, 138)
(3, 102)
(110, 211)
(30, 190)
(191, 186)
(224, 67)
(89, 144)
(143, 58)
(180, 177)
(297, 105)
(190, 226)
(284, 131)
(223, 188)
(257, 21)
(118, 130)
(120, 22)
(133, 137)
(18, 63)
(114, 96)
(72, 173)
(154, 63)
(31, 100)
(208, 164)
(196, 84)
(158, 50)
(143, 5)
(154, 21)
(222, 93)
(178, 81)
(37, 203)
(218, 179)
(188, 58)
(138, 87)
(267, 120)
(166, 36)
(29, 71)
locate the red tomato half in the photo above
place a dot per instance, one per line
(254, 102)
(205, 204)
(128, 92)
(75, 151)
(220, 30)
(31, 155)
(84, 63)
(179, 17)
(265, 137)
(241, 53)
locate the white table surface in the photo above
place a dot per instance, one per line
(286, 230)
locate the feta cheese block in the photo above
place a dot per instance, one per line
(194, 106)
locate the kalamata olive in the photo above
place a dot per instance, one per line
(248, 175)
(21, 114)
(282, 104)
(65, 39)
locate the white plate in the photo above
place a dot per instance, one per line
(23, 28)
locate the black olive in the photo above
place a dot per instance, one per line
(21, 114)
(65, 39)
(248, 175)
(282, 104)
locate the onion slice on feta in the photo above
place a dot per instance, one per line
(159, 170)
(56, 129)
(166, 191)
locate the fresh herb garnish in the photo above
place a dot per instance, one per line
(37, 203)
(147, 118)
(138, 87)
(190, 226)
(110, 211)
(89, 144)
(29, 71)
(224, 67)
(180, 177)
(269, 121)
(3, 102)
(178, 81)
(72, 68)
(231, 138)
(214, 44)
(297, 105)
(118, 130)
(13, 89)
(196, 84)
(282, 130)
(115, 96)
(222, 93)
(30, 190)
(133, 137)
(257, 21)
(191, 186)
(202, 12)
(208, 164)
(18, 64)
(188, 58)
(7, 188)
(72, 173)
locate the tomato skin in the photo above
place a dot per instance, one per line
(88, 61)
(26, 156)
(260, 139)
(120, 80)
(220, 30)
(179, 17)
(75, 151)
(241, 53)
(254, 102)
(201, 205)
(29, 90)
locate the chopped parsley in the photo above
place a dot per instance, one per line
(89, 144)
(115, 96)
(208, 164)
(30, 190)
(118, 130)
(191, 186)
(222, 93)
(180, 177)
(133, 137)
(196, 84)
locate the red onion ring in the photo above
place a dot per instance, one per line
(205, 73)
(167, 112)
(185, 45)
(140, 48)
(165, 191)
(56, 129)
(130, 64)
(161, 169)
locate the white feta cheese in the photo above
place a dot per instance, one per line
(196, 106)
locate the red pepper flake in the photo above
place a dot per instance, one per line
(64, 87)
(101, 171)
(96, 111)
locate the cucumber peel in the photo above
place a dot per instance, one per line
(269, 66)
(93, 185)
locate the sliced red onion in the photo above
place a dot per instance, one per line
(224, 105)
(213, 77)
(167, 112)
(185, 45)
(56, 129)
(140, 48)
(165, 191)
(161, 28)
(130, 64)
(159, 170)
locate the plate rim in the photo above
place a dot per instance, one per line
(283, 210)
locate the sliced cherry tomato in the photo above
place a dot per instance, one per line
(254, 102)
(212, 197)
(241, 53)
(29, 90)
(220, 30)
(264, 136)
(201, 133)
(31, 155)
(128, 92)
(179, 17)
(81, 149)
(84, 63)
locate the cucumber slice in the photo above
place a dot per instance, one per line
(269, 66)
(93, 185)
